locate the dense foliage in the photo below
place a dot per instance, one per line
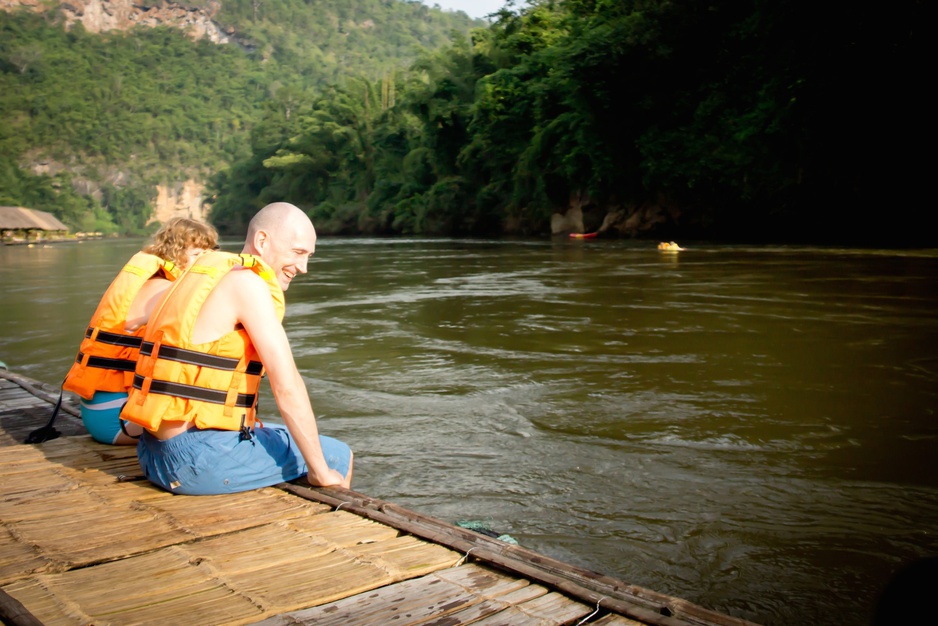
(118, 112)
(757, 120)
(767, 119)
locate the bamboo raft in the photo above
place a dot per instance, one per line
(85, 540)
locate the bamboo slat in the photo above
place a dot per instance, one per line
(18, 559)
(467, 594)
(93, 530)
(318, 563)
(163, 587)
(38, 478)
(206, 516)
(263, 570)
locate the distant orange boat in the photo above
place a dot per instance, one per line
(583, 235)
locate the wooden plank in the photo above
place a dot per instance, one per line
(13, 613)
(39, 478)
(410, 602)
(38, 390)
(550, 609)
(27, 404)
(16, 425)
(531, 606)
(484, 580)
(45, 606)
(469, 594)
(614, 620)
(57, 465)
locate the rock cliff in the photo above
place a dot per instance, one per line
(103, 15)
(173, 198)
(183, 199)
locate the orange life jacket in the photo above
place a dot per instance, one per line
(108, 353)
(214, 384)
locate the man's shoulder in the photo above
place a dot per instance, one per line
(244, 289)
(244, 278)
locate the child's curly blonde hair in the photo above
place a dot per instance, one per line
(179, 234)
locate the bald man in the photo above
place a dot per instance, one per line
(197, 377)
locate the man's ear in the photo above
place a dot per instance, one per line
(261, 239)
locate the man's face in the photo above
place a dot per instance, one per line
(288, 251)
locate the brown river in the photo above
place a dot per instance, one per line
(752, 429)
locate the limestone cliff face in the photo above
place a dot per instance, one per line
(184, 199)
(179, 200)
(103, 15)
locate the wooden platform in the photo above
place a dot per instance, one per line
(84, 540)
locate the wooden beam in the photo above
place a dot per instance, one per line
(13, 612)
(32, 387)
(630, 600)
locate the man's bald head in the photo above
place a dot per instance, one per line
(282, 235)
(277, 216)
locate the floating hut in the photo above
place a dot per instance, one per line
(19, 225)
(84, 539)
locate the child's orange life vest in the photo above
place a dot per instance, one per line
(108, 353)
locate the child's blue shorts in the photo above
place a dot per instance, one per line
(101, 415)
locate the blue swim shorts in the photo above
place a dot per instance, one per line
(101, 415)
(206, 462)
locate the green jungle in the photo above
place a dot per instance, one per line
(762, 120)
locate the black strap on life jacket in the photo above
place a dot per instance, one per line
(47, 432)
(123, 424)
(115, 339)
(121, 365)
(244, 430)
(192, 357)
(192, 392)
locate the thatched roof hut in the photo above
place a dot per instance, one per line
(20, 218)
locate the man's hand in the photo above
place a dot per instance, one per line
(332, 479)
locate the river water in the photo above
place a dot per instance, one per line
(749, 428)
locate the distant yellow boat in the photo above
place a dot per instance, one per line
(669, 246)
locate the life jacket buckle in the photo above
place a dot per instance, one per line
(244, 430)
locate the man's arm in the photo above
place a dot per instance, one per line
(255, 311)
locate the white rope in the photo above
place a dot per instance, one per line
(340, 505)
(463, 559)
(585, 619)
